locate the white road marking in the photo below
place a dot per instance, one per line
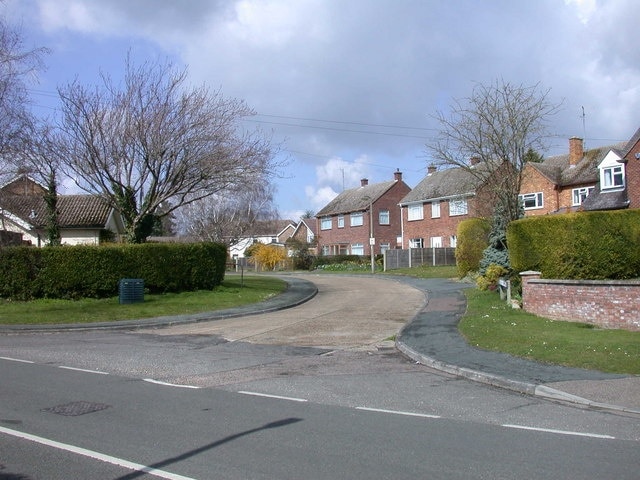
(16, 360)
(398, 412)
(83, 370)
(167, 384)
(95, 455)
(278, 397)
(561, 432)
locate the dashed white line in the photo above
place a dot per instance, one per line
(167, 384)
(278, 397)
(83, 370)
(95, 455)
(16, 360)
(398, 412)
(560, 432)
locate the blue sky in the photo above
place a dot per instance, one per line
(351, 86)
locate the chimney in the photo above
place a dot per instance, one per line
(576, 151)
(431, 170)
(397, 175)
(364, 182)
(474, 161)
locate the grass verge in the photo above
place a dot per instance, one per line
(493, 325)
(230, 294)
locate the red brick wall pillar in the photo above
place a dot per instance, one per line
(526, 276)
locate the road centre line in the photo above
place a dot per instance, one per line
(167, 384)
(561, 432)
(95, 455)
(16, 360)
(277, 397)
(398, 412)
(83, 370)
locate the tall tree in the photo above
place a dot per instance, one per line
(153, 140)
(498, 125)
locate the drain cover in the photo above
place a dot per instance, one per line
(74, 409)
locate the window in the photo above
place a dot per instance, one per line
(531, 200)
(325, 250)
(357, 219)
(436, 242)
(340, 221)
(416, 243)
(415, 212)
(453, 241)
(457, 207)
(343, 250)
(325, 223)
(383, 217)
(357, 249)
(435, 209)
(612, 177)
(579, 194)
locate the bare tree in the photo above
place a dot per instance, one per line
(498, 126)
(227, 218)
(18, 66)
(153, 140)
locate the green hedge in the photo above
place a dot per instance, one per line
(584, 245)
(90, 271)
(473, 238)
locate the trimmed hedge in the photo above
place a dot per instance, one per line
(89, 271)
(473, 239)
(584, 245)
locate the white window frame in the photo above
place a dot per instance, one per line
(326, 250)
(453, 241)
(356, 219)
(578, 195)
(340, 221)
(416, 243)
(435, 242)
(415, 212)
(612, 177)
(458, 207)
(357, 249)
(537, 197)
(384, 217)
(435, 209)
(326, 223)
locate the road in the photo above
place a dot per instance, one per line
(283, 396)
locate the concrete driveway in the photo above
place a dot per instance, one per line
(349, 312)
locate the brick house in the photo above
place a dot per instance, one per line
(562, 183)
(631, 157)
(432, 211)
(346, 224)
(83, 219)
(305, 233)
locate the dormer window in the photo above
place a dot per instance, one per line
(612, 177)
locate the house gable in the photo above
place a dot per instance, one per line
(632, 156)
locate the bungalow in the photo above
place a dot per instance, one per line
(432, 211)
(275, 232)
(362, 220)
(83, 219)
(562, 183)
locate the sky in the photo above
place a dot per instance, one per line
(349, 89)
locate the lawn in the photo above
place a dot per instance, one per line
(493, 325)
(231, 293)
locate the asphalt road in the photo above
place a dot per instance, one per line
(232, 401)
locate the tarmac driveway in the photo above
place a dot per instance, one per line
(349, 312)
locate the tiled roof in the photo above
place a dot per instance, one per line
(558, 170)
(75, 211)
(446, 183)
(630, 144)
(598, 200)
(265, 228)
(356, 199)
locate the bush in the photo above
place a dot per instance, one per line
(90, 271)
(489, 280)
(584, 245)
(473, 239)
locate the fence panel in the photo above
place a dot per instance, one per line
(415, 257)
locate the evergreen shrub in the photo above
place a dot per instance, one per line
(473, 239)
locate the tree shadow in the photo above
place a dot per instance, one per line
(210, 446)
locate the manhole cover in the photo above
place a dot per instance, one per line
(74, 409)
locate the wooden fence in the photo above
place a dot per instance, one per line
(415, 257)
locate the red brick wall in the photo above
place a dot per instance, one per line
(605, 303)
(632, 175)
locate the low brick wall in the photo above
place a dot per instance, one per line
(605, 303)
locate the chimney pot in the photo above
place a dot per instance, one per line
(364, 182)
(431, 170)
(576, 150)
(397, 175)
